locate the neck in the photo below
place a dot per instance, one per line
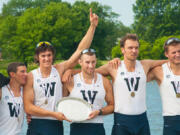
(130, 65)
(45, 72)
(88, 77)
(175, 68)
(15, 87)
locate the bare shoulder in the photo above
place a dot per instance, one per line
(60, 67)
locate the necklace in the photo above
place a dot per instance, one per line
(17, 106)
(131, 77)
(44, 87)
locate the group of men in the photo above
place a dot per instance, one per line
(42, 89)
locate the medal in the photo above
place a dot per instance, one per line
(132, 94)
(178, 95)
(46, 102)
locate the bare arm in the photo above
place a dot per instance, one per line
(155, 74)
(84, 44)
(109, 97)
(149, 64)
(30, 108)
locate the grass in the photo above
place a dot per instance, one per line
(4, 64)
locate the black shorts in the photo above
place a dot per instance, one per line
(87, 129)
(130, 124)
(171, 125)
(45, 127)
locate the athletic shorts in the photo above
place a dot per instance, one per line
(130, 124)
(171, 125)
(87, 129)
(45, 127)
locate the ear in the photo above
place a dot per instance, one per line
(12, 74)
(166, 54)
(122, 50)
(80, 61)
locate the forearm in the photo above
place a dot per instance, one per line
(103, 70)
(87, 39)
(37, 111)
(107, 109)
(155, 63)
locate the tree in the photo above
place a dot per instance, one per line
(156, 18)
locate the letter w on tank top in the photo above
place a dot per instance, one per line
(91, 95)
(14, 110)
(48, 88)
(176, 86)
(132, 83)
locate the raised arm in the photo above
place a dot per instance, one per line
(85, 43)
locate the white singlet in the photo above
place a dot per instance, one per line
(47, 91)
(93, 93)
(11, 112)
(169, 89)
(130, 90)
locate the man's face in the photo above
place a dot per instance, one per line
(88, 63)
(21, 75)
(131, 49)
(173, 54)
(45, 59)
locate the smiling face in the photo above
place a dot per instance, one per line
(88, 63)
(130, 49)
(20, 75)
(173, 53)
(45, 59)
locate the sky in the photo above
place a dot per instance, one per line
(122, 7)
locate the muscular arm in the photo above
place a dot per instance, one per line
(155, 74)
(84, 44)
(150, 64)
(106, 70)
(30, 108)
(109, 97)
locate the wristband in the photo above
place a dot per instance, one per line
(100, 112)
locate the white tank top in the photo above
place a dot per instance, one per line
(130, 90)
(11, 113)
(169, 87)
(93, 93)
(47, 91)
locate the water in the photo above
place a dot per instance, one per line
(154, 113)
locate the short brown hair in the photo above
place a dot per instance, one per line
(128, 36)
(12, 67)
(171, 42)
(44, 47)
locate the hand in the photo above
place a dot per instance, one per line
(60, 116)
(93, 114)
(67, 76)
(28, 118)
(114, 63)
(93, 18)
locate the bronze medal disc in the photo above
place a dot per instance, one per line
(132, 94)
(178, 95)
(46, 101)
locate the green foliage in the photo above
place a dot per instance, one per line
(144, 50)
(158, 47)
(116, 52)
(156, 18)
(24, 23)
